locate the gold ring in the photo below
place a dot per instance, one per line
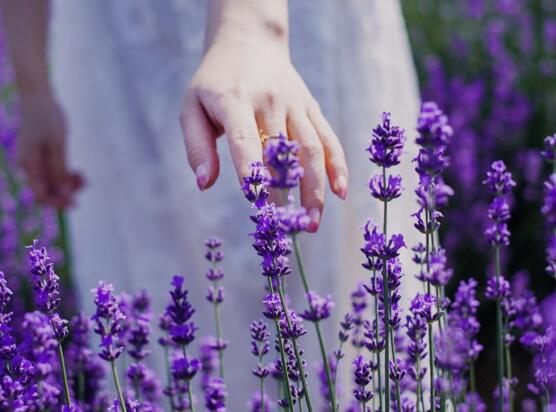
(263, 136)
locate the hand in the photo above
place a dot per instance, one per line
(41, 152)
(242, 87)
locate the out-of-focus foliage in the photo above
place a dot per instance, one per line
(491, 66)
(21, 219)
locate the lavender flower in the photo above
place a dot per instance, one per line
(271, 243)
(292, 328)
(255, 185)
(215, 395)
(182, 330)
(499, 180)
(549, 152)
(377, 246)
(281, 155)
(319, 307)
(215, 294)
(434, 135)
(362, 375)
(109, 321)
(44, 280)
(388, 190)
(387, 143)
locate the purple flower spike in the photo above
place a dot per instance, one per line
(377, 247)
(293, 329)
(109, 321)
(387, 143)
(434, 136)
(44, 280)
(499, 180)
(319, 307)
(184, 369)
(215, 395)
(549, 206)
(386, 192)
(281, 155)
(255, 185)
(273, 307)
(363, 373)
(271, 243)
(549, 152)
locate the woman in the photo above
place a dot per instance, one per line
(117, 71)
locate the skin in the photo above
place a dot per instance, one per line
(245, 84)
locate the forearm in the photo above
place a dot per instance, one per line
(248, 21)
(26, 27)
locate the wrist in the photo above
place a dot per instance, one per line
(29, 96)
(249, 23)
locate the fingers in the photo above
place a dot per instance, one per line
(60, 188)
(243, 138)
(335, 161)
(271, 118)
(312, 157)
(32, 163)
(200, 142)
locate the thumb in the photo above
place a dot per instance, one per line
(200, 142)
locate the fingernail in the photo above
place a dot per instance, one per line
(201, 174)
(314, 214)
(341, 187)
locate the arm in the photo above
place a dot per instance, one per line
(246, 82)
(42, 132)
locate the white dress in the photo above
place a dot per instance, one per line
(120, 69)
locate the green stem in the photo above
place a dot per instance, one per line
(419, 394)
(118, 387)
(325, 361)
(169, 377)
(189, 390)
(472, 383)
(509, 371)
(378, 357)
(431, 365)
(499, 336)
(386, 297)
(296, 351)
(64, 373)
(287, 388)
(218, 323)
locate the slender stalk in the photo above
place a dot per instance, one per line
(431, 365)
(118, 387)
(287, 388)
(169, 377)
(262, 383)
(430, 331)
(296, 350)
(81, 384)
(378, 357)
(325, 361)
(386, 297)
(499, 335)
(419, 393)
(509, 372)
(189, 391)
(546, 400)
(386, 294)
(218, 323)
(472, 382)
(64, 373)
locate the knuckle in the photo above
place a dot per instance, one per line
(243, 135)
(270, 99)
(313, 150)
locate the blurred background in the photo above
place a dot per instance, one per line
(490, 65)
